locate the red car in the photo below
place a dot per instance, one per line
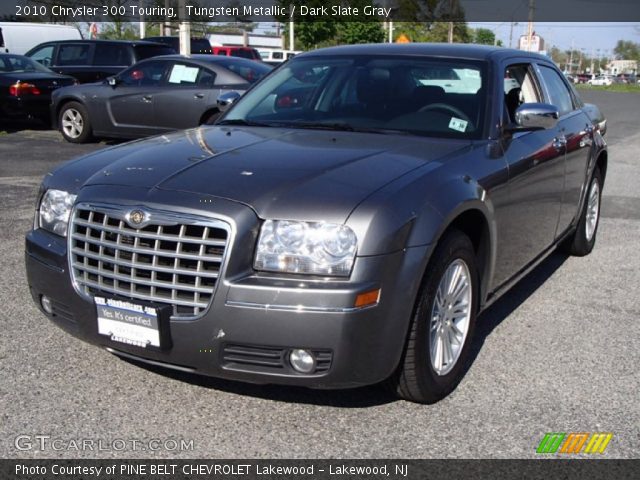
(244, 52)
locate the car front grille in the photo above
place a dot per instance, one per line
(171, 260)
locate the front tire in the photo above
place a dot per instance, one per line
(74, 123)
(584, 238)
(443, 323)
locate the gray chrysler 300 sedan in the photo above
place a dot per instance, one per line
(342, 224)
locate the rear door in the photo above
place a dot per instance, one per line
(575, 131)
(75, 59)
(187, 94)
(528, 217)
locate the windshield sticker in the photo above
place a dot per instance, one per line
(458, 124)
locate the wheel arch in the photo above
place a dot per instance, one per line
(207, 114)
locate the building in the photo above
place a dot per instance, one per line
(622, 66)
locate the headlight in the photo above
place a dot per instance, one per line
(306, 247)
(54, 211)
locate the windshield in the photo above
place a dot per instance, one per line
(421, 96)
(20, 64)
(247, 69)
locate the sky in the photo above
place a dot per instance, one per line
(586, 35)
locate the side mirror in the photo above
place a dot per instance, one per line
(225, 100)
(535, 116)
(113, 81)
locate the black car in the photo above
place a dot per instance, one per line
(26, 86)
(343, 224)
(198, 45)
(94, 60)
(153, 96)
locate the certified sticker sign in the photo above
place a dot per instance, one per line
(127, 322)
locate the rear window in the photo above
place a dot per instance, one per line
(248, 70)
(250, 54)
(148, 51)
(200, 46)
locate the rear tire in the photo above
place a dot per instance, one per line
(74, 123)
(443, 323)
(584, 238)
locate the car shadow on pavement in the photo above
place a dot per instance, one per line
(20, 125)
(512, 299)
(374, 395)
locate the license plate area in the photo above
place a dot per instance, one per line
(132, 323)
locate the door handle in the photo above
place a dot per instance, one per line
(198, 95)
(147, 98)
(559, 142)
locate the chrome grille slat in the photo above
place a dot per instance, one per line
(135, 280)
(152, 236)
(149, 266)
(173, 260)
(119, 246)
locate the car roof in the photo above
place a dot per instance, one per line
(203, 58)
(457, 50)
(125, 42)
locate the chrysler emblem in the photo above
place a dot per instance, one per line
(136, 218)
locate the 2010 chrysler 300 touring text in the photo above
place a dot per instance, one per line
(342, 224)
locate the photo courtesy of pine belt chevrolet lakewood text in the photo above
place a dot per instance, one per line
(343, 223)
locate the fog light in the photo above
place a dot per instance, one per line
(302, 360)
(46, 304)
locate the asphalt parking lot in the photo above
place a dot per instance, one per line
(559, 353)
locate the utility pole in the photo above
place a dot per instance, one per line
(185, 30)
(143, 24)
(571, 57)
(530, 27)
(511, 33)
(291, 32)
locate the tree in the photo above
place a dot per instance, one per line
(360, 32)
(627, 50)
(484, 36)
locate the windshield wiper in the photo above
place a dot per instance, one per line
(243, 122)
(341, 126)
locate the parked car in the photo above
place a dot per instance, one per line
(601, 80)
(242, 52)
(276, 57)
(342, 224)
(95, 60)
(19, 37)
(583, 77)
(153, 96)
(198, 45)
(26, 86)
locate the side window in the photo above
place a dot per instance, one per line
(73, 54)
(560, 95)
(147, 74)
(43, 55)
(112, 55)
(519, 88)
(206, 78)
(183, 75)
(1, 39)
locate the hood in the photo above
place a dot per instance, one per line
(279, 173)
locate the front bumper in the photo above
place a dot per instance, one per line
(254, 320)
